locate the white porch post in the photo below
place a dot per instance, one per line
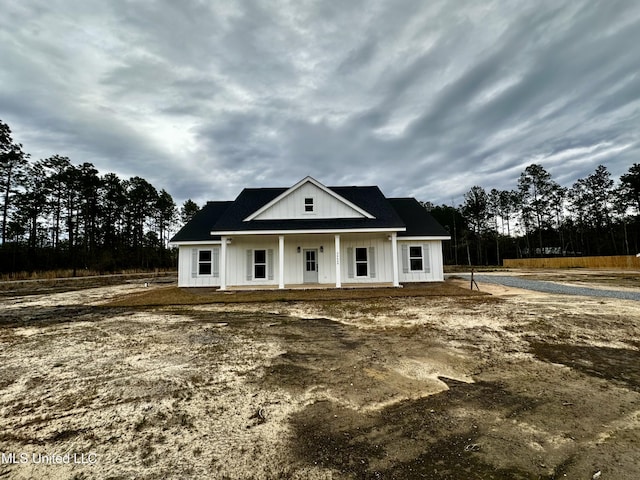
(281, 261)
(338, 279)
(394, 258)
(223, 263)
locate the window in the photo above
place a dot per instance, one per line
(362, 264)
(259, 264)
(205, 262)
(415, 258)
(308, 205)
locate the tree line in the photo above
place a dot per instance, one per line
(57, 215)
(539, 218)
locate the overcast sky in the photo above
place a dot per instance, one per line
(424, 98)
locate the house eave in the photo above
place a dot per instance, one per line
(310, 231)
(195, 242)
(424, 237)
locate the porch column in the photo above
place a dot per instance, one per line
(338, 280)
(394, 258)
(281, 261)
(223, 263)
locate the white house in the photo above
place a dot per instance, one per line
(310, 234)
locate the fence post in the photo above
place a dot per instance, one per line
(473, 282)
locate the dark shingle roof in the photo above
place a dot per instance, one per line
(417, 219)
(249, 200)
(388, 213)
(199, 227)
(369, 199)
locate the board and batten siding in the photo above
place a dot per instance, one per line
(188, 267)
(294, 262)
(240, 267)
(432, 261)
(324, 204)
(380, 266)
(378, 248)
(238, 263)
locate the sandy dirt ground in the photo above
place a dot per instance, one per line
(513, 384)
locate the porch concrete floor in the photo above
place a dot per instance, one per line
(310, 286)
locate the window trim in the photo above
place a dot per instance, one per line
(311, 204)
(257, 264)
(421, 258)
(205, 262)
(360, 262)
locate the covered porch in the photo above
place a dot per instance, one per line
(309, 260)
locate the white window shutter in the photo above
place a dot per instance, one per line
(249, 265)
(350, 263)
(372, 262)
(215, 262)
(194, 262)
(404, 250)
(426, 258)
(270, 264)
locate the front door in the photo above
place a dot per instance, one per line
(310, 272)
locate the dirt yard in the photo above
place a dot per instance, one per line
(120, 382)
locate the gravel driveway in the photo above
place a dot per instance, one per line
(552, 287)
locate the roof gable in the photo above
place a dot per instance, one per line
(325, 203)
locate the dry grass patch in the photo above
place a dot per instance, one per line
(198, 296)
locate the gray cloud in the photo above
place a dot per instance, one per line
(424, 99)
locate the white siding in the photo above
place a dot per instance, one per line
(294, 261)
(187, 272)
(325, 206)
(381, 257)
(433, 258)
(237, 260)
